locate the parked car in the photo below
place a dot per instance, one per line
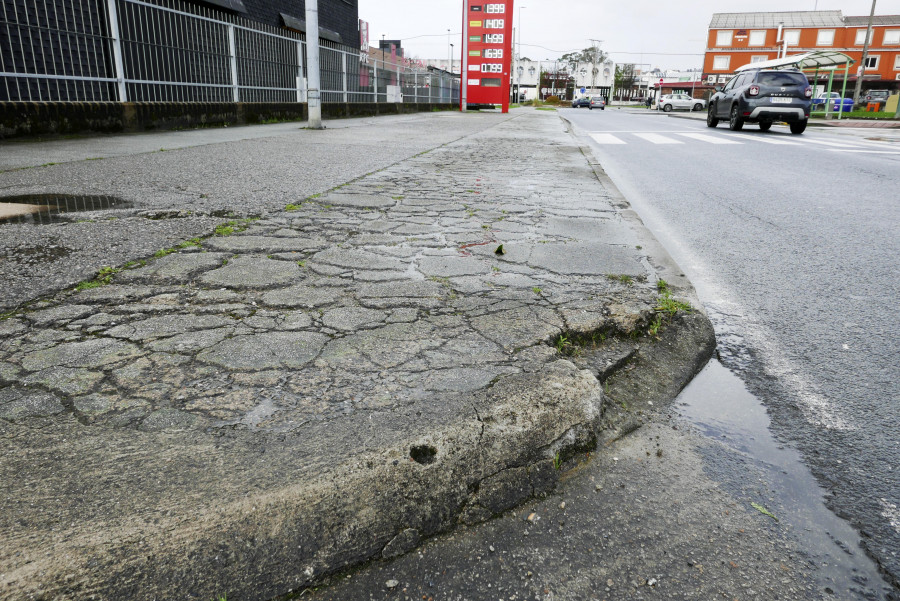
(597, 102)
(879, 96)
(819, 101)
(583, 101)
(762, 96)
(671, 102)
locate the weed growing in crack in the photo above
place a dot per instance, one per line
(163, 252)
(656, 325)
(103, 277)
(670, 306)
(557, 461)
(232, 227)
(625, 279)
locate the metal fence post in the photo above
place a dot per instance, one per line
(375, 79)
(232, 56)
(117, 49)
(344, 74)
(301, 87)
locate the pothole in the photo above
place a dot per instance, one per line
(42, 209)
(423, 454)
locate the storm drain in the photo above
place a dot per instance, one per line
(41, 209)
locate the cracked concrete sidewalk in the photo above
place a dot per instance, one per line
(326, 384)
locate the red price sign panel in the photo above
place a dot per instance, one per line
(487, 57)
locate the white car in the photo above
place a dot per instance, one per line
(822, 98)
(672, 102)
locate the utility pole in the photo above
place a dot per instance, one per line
(314, 102)
(862, 65)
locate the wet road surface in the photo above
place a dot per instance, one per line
(791, 242)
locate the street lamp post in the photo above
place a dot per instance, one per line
(519, 69)
(313, 98)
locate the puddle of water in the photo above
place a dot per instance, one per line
(41, 209)
(718, 403)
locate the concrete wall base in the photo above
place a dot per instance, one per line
(33, 119)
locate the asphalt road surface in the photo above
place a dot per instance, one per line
(792, 242)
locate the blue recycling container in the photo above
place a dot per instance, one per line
(843, 107)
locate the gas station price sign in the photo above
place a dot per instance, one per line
(487, 58)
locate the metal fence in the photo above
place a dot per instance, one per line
(175, 51)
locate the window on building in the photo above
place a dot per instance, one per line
(891, 37)
(872, 61)
(723, 38)
(757, 38)
(861, 37)
(825, 37)
(897, 63)
(721, 63)
(759, 58)
(792, 37)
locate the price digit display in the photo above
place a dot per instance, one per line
(492, 68)
(493, 53)
(493, 38)
(495, 8)
(493, 24)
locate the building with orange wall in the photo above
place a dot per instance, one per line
(736, 39)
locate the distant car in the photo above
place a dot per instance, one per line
(879, 96)
(672, 102)
(823, 97)
(597, 102)
(579, 102)
(762, 96)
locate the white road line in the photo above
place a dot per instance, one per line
(658, 139)
(606, 139)
(640, 131)
(825, 143)
(710, 139)
(867, 151)
(769, 140)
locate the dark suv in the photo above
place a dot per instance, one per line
(762, 96)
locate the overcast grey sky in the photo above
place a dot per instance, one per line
(664, 34)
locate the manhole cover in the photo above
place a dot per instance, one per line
(47, 208)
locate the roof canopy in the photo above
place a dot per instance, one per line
(820, 59)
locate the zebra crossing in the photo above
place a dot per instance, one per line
(614, 138)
